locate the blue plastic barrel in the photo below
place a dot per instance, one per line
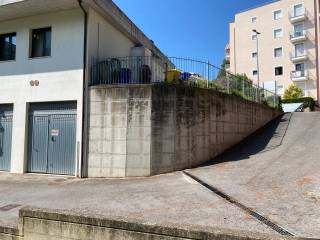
(185, 76)
(125, 76)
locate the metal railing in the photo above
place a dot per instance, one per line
(299, 74)
(302, 54)
(205, 74)
(189, 72)
(297, 34)
(128, 70)
(294, 14)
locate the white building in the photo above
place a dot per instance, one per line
(277, 44)
(46, 50)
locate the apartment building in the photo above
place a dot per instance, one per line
(46, 51)
(276, 44)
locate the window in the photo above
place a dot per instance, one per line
(299, 50)
(278, 52)
(254, 19)
(277, 15)
(299, 67)
(277, 33)
(41, 42)
(254, 55)
(254, 37)
(298, 30)
(8, 47)
(255, 72)
(298, 10)
(278, 71)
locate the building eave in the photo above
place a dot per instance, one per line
(15, 9)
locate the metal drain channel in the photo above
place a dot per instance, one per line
(254, 214)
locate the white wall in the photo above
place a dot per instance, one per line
(104, 40)
(60, 75)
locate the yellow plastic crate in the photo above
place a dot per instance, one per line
(173, 75)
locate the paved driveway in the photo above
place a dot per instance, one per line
(276, 174)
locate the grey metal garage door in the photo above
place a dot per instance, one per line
(6, 112)
(52, 138)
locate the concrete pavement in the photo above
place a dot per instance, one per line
(167, 199)
(275, 173)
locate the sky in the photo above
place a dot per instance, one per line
(197, 29)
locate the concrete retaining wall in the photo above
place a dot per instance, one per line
(42, 224)
(143, 130)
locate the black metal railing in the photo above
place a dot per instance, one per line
(184, 71)
(128, 70)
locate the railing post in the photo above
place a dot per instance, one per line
(275, 94)
(208, 74)
(243, 88)
(165, 74)
(228, 83)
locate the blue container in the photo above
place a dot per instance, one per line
(145, 74)
(125, 76)
(185, 76)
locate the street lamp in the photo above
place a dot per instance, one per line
(258, 70)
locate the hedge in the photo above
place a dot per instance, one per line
(307, 102)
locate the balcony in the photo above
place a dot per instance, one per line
(227, 55)
(301, 57)
(298, 36)
(227, 67)
(298, 17)
(297, 76)
(227, 51)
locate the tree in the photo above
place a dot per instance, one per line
(222, 71)
(293, 92)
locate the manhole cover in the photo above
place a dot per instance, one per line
(9, 207)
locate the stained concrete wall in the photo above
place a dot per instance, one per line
(191, 126)
(119, 135)
(143, 130)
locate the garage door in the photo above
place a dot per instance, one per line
(52, 138)
(5, 136)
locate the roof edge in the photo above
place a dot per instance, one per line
(258, 6)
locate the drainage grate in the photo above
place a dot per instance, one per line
(254, 214)
(9, 207)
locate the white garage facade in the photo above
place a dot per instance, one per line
(46, 50)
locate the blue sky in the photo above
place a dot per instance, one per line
(196, 29)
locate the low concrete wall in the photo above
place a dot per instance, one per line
(9, 234)
(42, 224)
(143, 130)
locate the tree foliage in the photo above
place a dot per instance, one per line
(293, 92)
(223, 72)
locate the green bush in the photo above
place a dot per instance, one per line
(280, 101)
(307, 102)
(293, 92)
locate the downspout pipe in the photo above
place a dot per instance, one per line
(83, 170)
(316, 6)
